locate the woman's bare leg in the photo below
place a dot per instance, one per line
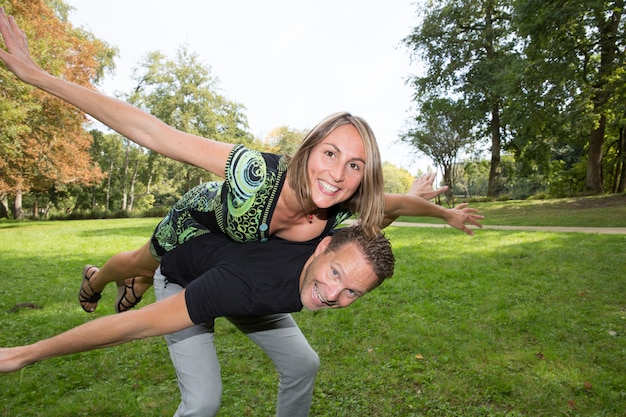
(129, 292)
(136, 263)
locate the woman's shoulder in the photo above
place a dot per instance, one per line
(241, 155)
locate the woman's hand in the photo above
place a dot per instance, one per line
(16, 56)
(129, 121)
(423, 187)
(461, 215)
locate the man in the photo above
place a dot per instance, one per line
(248, 279)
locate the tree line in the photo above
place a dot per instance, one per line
(539, 84)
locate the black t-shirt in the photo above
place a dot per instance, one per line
(224, 278)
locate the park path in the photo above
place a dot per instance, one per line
(560, 229)
(600, 230)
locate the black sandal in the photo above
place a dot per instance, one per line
(122, 302)
(83, 296)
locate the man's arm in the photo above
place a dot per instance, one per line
(163, 317)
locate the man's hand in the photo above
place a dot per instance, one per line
(10, 359)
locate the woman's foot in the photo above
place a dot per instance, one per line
(127, 298)
(87, 296)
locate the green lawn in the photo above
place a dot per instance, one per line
(603, 211)
(503, 323)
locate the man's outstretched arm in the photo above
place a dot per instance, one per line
(163, 317)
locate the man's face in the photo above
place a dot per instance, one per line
(335, 279)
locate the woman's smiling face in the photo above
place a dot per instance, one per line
(336, 166)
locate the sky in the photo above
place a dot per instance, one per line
(288, 62)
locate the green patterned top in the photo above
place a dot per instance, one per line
(240, 207)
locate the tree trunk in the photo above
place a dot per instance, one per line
(447, 180)
(108, 192)
(125, 177)
(132, 186)
(608, 27)
(4, 206)
(621, 185)
(18, 210)
(594, 158)
(494, 188)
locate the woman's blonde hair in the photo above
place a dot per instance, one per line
(367, 202)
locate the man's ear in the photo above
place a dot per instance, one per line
(321, 247)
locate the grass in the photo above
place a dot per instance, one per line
(504, 323)
(602, 211)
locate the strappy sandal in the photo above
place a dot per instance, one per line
(122, 302)
(83, 296)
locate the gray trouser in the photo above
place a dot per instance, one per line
(198, 370)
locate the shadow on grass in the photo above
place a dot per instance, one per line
(120, 231)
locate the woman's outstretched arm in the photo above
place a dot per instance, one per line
(414, 203)
(129, 121)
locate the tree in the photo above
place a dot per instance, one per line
(468, 49)
(397, 180)
(473, 178)
(182, 93)
(43, 144)
(442, 132)
(284, 140)
(576, 51)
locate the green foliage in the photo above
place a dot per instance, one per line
(472, 179)
(183, 93)
(284, 140)
(546, 78)
(42, 142)
(468, 50)
(397, 180)
(443, 132)
(575, 58)
(499, 324)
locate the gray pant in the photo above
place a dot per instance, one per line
(198, 370)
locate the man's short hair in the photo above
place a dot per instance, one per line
(376, 249)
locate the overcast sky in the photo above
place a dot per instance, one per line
(289, 62)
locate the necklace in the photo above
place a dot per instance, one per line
(309, 216)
